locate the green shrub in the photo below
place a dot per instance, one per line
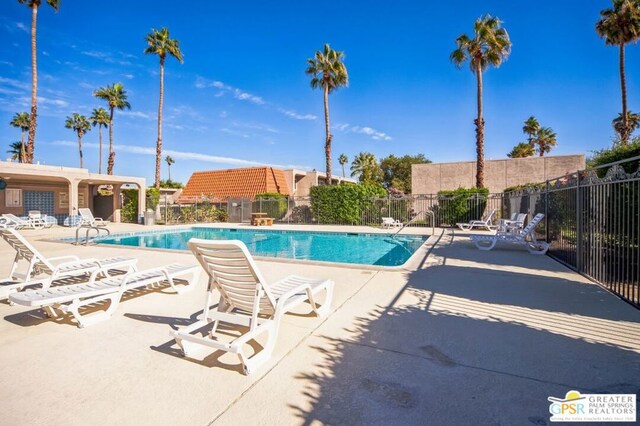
(346, 204)
(540, 185)
(617, 153)
(129, 211)
(275, 205)
(461, 205)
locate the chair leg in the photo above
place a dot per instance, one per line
(491, 245)
(324, 309)
(251, 364)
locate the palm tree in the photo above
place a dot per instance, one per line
(620, 26)
(633, 122)
(342, 159)
(21, 120)
(531, 128)
(169, 161)
(490, 45)
(160, 44)
(99, 117)
(329, 73)
(34, 5)
(116, 97)
(79, 124)
(366, 167)
(546, 140)
(15, 149)
(522, 150)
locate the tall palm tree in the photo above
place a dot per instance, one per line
(366, 167)
(633, 122)
(34, 5)
(328, 73)
(160, 44)
(490, 45)
(169, 159)
(99, 117)
(545, 139)
(15, 149)
(116, 97)
(21, 120)
(531, 128)
(620, 26)
(342, 159)
(79, 124)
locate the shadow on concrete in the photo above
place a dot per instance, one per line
(458, 347)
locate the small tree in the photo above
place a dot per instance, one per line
(169, 160)
(366, 168)
(79, 124)
(22, 121)
(343, 159)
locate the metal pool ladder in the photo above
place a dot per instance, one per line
(89, 228)
(425, 212)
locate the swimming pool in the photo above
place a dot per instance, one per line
(352, 248)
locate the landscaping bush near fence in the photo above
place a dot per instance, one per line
(345, 204)
(275, 205)
(461, 205)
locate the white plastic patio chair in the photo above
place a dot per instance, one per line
(526, 238)
(485, 222)
(43, 271)
(513, 225)
(20, 223)
(70, 298)
(246, 300)
(87, 218)
(389, 222)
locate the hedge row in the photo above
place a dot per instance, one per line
(345, 204)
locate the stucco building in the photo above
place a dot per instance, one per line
(61, 191)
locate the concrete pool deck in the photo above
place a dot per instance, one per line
(465, 337)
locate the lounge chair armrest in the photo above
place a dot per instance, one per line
(71, 256)
(287, 295)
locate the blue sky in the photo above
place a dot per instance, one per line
(242, 98)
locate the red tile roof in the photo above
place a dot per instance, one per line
(221, 185)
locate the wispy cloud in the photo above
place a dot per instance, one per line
(107, 57)
(128, 76)
(23, 27)
(138, 114)
(183, 155)
(242, 95)
(293, 114)
(364, 130)
(7, 63)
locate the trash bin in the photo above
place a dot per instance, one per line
(149, 217)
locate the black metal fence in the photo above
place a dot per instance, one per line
(592, 223)
(413, 210)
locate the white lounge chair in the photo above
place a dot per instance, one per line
(485, 222)
(246, 300)
(514, 225)
(70, 298)
(86, 218)
(41, 220)
(389, 222)
(43, 271)
(526, 238)
(22, 223)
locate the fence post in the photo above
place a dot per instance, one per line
(578, 224)
(546, 211)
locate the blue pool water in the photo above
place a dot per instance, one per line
(364, 249)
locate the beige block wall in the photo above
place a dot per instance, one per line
(499, 174)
